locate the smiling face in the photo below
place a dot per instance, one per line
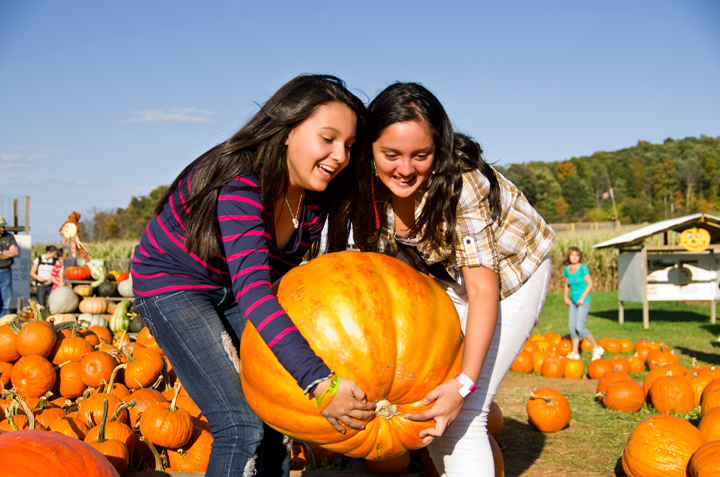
(404, 155)
(319, 148)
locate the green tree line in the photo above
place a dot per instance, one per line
(650, 182)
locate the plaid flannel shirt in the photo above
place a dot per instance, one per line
(514, 248)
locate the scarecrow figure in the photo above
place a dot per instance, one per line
(73, 246)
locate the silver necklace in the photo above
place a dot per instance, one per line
(295, 222)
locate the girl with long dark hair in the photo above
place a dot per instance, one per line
(428, 198)
(232, 223)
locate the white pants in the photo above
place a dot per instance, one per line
(464, 448)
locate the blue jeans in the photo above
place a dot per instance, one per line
(576, 320)
(5, 290)
(194, 329)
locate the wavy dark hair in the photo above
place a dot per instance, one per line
(260, 146)
(454, 154)
(566, 259)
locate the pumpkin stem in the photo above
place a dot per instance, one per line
(101, 434)
(42, 404)
(386, 410)
(88, 392)
(66, 325)
(28, 413)
(58, 366)
(159, 464)
(172, 407)
(16, 325)
(89, 419)
(12, 423)
(158, 382)
(547, 399)
(113, 375)
(35, 310)
(121, 408)
(102, 387)
(125, 351)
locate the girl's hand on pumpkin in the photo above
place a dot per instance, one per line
(448, 403)
(347, 405)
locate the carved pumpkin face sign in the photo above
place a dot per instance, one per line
(695, 240)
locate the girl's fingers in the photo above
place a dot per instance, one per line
(352, 424)
(334, 422)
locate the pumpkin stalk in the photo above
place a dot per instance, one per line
(35, 310)
(113, 375)
(173, 407)
(58, 366)
(73, 325)
(159, 464)
(89, 419)
(28, 413)
(101, 434)
(121, 408)
(547, 399)
(158, 382)
(103, 386)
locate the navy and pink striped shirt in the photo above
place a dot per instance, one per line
(250, 265)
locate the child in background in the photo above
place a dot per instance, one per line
(578, 284)
(56, 276)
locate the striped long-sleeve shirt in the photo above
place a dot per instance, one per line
(250, 265)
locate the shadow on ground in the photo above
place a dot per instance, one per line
(670, 316)
(525, 442)
(619, 471)
(711, 358)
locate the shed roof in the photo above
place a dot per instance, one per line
(637, 237)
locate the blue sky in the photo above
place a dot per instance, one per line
(102, 101)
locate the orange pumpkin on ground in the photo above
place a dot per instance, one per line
(658, 357)
(573, 368)
(637, 364)
(661, 446)
(658, 373)
(609, 378)
(709, 425)
(6, 370)
(705, 462)
(96, 367)
(586, 345)
(498, 459)
(523, 363)
(195, 455)
(553, 368)
(381, 300)
(625, 396)
(598, 368)
(166, 425)
(495, 420)
(538, 358)
(36, 338)
(50, 453)
(114, 450)
(612, 346)
(672, 395)
(530, 346)
(709, 401)
(33, 376)
(70, 383)
(619, 363)
(8, 344)
(698, 382)
(548, 410)
(553, 338)
(564, 347)
(626, 346)
(71, 427)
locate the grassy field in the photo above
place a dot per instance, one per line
(593, 442)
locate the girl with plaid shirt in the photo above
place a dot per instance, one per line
(428, 198)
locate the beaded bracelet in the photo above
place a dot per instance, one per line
(329, 393)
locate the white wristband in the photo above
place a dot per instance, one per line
(468, 385)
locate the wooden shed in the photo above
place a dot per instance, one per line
(667, 272)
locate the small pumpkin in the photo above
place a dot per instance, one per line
(705, 462)
(78, 273)
(119, 320)
(33, 376)
(36, 338)
(93, 320)
(106, 289)
(114, 450)
(548, 410)
(523, 363)
(624, 395)
(193, 456)
(93, 306)
(167, 425)
(124, 288)
(553, 368)
(83, 290)
(96, 367)
(63, 300)
(8, 344)
(709, 425)
(573, 368)
(71, 427)
(672, 394)
(495, 420)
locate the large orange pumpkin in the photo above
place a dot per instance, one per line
(50, 453)
(661, 446)
(548, 410)
(365, 315)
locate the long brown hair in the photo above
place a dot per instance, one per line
(566, 260)
(260, 146)
(454, 154)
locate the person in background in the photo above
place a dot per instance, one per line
(8, 250)
(41, 272)
(578, 284)
(57, 273)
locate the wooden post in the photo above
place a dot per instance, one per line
(15, 212)
(27, 215)
(713, 312)
(621, 312)
(644, 268)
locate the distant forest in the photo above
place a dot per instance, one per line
(650, 182)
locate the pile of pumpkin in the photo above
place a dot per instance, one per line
(119, 396)
(668, 445)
